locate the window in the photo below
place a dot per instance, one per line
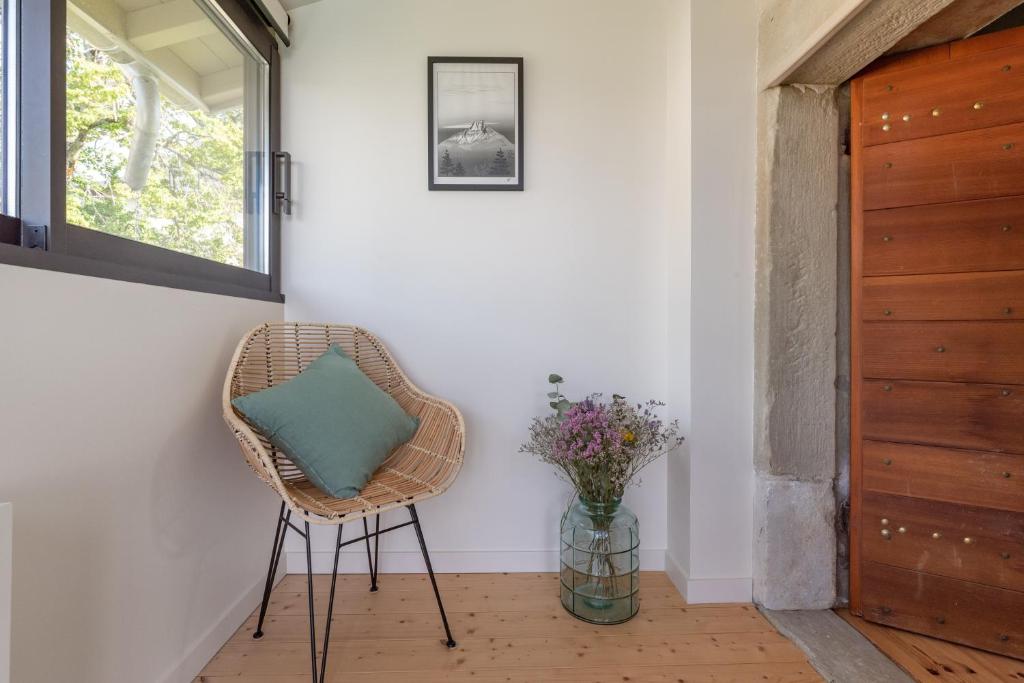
(159, 150)
(162, 153)
(8, 146)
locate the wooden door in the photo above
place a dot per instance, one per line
(937, 354)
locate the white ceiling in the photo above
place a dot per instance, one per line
(292, 4)
(196, 64)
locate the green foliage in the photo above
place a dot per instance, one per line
(559, 403)
(192, 201)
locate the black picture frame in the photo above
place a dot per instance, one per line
(435, 181)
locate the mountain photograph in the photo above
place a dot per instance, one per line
(475, 123)
(478, 151)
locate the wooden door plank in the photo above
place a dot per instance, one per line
(990, 41)
(895, 63)
(945, 297)
(977, 164)
(934, 99)
(970, 416)
(994, 480)
(929, 659)
(968, 613)
(917, 662)
(960, 542)
(983, 235)
(858, 260)
(939, 351)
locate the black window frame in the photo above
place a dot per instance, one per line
(41, 183)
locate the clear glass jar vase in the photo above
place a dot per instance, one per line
(600, 575)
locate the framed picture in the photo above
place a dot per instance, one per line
(475, 123)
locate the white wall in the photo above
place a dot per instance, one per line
(481, 295)
(711, 525)
(6, 572)
(724, 115)
(678, 176)
(141, 537)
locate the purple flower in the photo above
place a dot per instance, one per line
(600, 448)
(586, 432)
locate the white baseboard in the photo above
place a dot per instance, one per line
(450, 561)
(203, 648)
(698, 591)
(675, 573)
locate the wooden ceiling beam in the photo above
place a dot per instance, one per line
(223, 89)
(147, 36)
(167, 24)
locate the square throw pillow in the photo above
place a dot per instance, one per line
(334, 423)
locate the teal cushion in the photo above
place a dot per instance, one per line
(332, 421)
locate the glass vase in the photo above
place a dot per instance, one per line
(600, 556)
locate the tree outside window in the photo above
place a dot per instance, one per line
(192, 200)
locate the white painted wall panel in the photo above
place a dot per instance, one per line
(723, 108)
(140, 533)
(481, 295)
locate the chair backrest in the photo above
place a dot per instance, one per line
(275, 352)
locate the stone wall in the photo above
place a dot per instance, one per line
(795, 357)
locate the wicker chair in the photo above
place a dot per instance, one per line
(420, 469)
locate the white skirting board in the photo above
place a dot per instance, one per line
(450, 561)
(699, 591)
(203, 648)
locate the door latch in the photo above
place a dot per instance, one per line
(283, 183)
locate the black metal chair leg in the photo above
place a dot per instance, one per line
(430, 570)
(376, 547)
(275, 556)
(369, 558)
(330, 607)
(312, 616)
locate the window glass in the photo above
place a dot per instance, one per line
(166, 128)
(8, 145)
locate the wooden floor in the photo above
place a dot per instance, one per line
(936, 661)
(509, 627)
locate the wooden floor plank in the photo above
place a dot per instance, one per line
(937, 661)
(524, 580)
(780, 672)
(377, 626)
(457, 599)
(509, 628)
(504, 654)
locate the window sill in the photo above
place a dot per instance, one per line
(230, 281)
